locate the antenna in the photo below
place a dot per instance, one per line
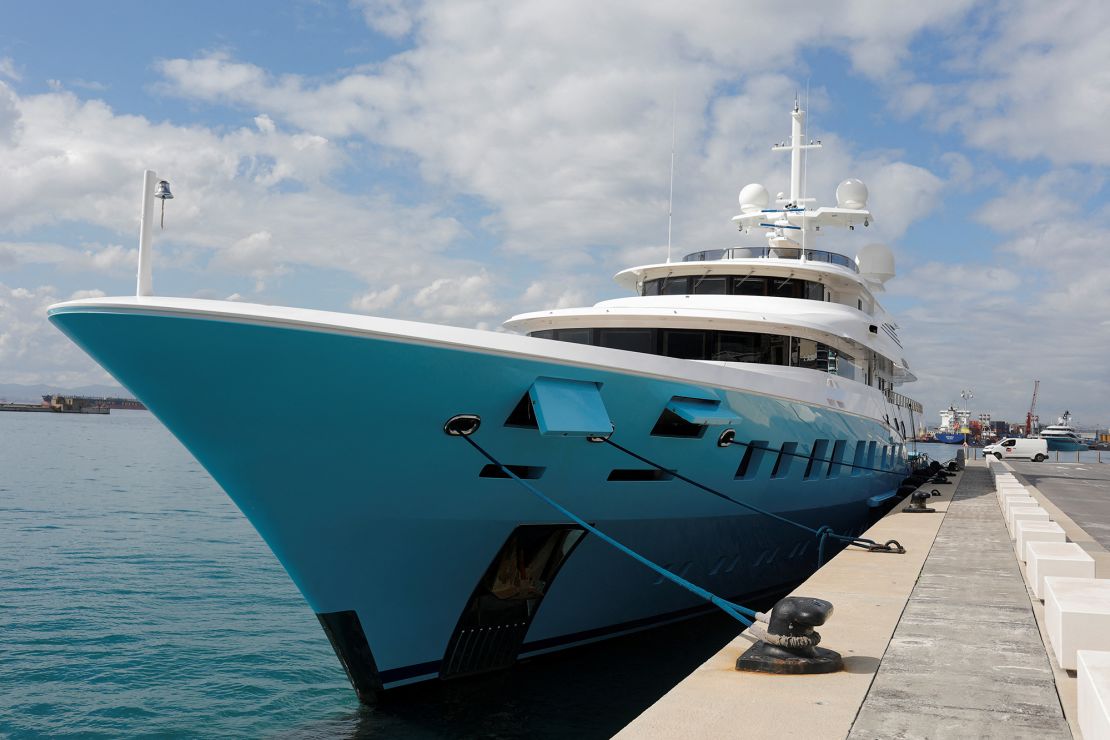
(670, 199)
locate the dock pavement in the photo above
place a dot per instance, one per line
(940, 642)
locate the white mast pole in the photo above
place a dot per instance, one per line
(797, 118)
(670, 198)
(146, 231)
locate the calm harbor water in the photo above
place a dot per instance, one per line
(136, 600)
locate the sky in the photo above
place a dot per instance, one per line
(460, 161)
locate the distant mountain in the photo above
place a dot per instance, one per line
(16, 393)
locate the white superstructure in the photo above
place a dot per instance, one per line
(787, 305)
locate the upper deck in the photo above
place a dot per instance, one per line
(829, 268)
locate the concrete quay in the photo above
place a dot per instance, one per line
(940, 642)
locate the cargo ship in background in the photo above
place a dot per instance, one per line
(953, 429)
(68, 404)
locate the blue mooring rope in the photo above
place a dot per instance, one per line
(740, 613)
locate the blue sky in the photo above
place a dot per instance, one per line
(462, 161)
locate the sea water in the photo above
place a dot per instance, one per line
(135, 599)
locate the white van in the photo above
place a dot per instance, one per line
(1018, 448)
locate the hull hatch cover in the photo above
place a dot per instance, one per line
(570, 408)
(492, 627)
(702, 412)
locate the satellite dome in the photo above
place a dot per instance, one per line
(754, 198)
(851, 193)
(875, 262)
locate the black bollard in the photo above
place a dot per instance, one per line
(917, 504)
(789, 642)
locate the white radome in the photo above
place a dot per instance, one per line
(876, 262)
(754, 197)
(851, 193)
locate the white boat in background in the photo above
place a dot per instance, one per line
(1062, 437)
(766, 373)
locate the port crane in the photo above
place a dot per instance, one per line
(1032, 417)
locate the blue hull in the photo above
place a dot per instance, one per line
(332, 445)
(1064, 445)
(950, 439)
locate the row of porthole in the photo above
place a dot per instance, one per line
(863, 461)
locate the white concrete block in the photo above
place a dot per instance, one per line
(1004, 497)
(1026, 513)
(1077, 616)
(1055, 559)
(1093, 692)
(1015, 502)
(1036, 531)
(1016, 497)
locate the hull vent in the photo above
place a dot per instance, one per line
(481, 649)
(493, 625)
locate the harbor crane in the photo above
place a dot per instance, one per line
(1032, 417)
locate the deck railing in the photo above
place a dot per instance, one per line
(904, 402)
(735, 253)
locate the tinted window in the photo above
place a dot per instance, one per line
(688, 345)
(633, 340)
(738, 347)
(545, 334)
(814, 291)
(766, 349)
(651, 287)
(578, 336)
(749, 286)
(785, 288)
(710, 285)
(676, 286)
